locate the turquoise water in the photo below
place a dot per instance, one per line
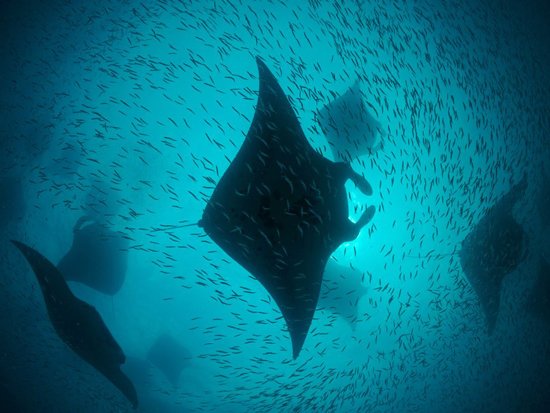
(131, 110)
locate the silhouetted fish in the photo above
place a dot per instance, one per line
(79, 324)
(493, 249)
(280, 209)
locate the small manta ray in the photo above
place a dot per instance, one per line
(280, 209)
(350, 129)
(493, 249)
(79, 324)
(97, 258)
(170, 357)
(341, 291)
(539, 300)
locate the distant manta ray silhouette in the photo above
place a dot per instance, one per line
(494, 247)
(79, 324)
(97, 258)
(341, 291)
(350, 129)
(169, 356)
(280, 209)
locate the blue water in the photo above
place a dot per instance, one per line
(128, 109)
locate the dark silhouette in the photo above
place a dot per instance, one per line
(169, 356)
(79, 324)
(493, 249)
(280, 209)
(97, 258)
(350, 129)
(341, 291)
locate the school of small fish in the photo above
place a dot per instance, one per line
(131, 111)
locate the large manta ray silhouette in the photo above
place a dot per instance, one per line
(79, 324)
(493, 249)
(280, 209)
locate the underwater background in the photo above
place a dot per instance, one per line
(130, 111)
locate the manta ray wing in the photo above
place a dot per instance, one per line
(79, 324)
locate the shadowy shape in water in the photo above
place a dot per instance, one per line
(350, 129)
(97, 258)
(493, 249)
(280, 209)
(341, 291)
(79, 324)
(169, 356)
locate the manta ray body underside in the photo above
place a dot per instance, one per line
(280, 209)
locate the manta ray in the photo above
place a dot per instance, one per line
(341, 291)
(493, 249)
(169, 356)
(280, 209)
(350, 129)
(79, 324)
(98, 257)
